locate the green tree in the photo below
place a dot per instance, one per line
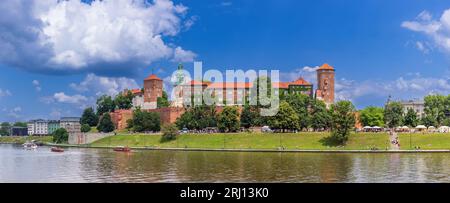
(105, 104)
(85, 128)
(428, 120)
(60, 136)
(285, 119)
(320, 116)
(343, 120)
(261, 92)
(146, 121)
(372, 116)
(435, 107)
(124, 100)
(411, 118)
(20, 124)
(228, 119)
(4, 129)
(89, 117)
(248, 116)
(163, 101)
(300, 103)
(393, 114)
(105, 125)
(198, 118)
(170, 132)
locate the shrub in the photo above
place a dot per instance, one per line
(170, 132)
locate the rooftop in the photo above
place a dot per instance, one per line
(326, 67)
(153, 77)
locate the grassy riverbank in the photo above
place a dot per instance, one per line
(427, 141)
(300, 141)
(21, 140)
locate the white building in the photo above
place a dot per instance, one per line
(71, 124)
(417, 105)
(38, 127)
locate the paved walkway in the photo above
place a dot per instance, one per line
(392, 138)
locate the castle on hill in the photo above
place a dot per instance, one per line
(147, 97)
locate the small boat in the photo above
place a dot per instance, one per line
(29, 145)
(57, 149)
(122, 149)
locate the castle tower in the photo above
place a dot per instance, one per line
(325, 84)
(153, 88)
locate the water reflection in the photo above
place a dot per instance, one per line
(98, 165)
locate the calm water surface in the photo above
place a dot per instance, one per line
(99, 165)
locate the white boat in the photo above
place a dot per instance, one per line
(30, 145)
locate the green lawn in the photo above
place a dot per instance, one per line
(21, 140)
(360, 141)
(425, 141)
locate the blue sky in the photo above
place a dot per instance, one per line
(55, 65)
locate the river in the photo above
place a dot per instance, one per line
(102, 165)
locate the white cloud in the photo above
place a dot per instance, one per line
(308, 73)
(404, 87)
(104, 85)
(14, 113)
(190, 22)
(437, 30)
(424, 16)
(423, 47)
(74, 36)
(37, 85)
(181, 55)
(61, 97)
(4, 93)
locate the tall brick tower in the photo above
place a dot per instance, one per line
(325, 84)
(153, 87)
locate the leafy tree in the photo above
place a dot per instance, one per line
(393, 114)
(105, 104)
(343, 120)
(4, 129)
(146, 121)
(170, 132)
(85, 128)
(300, 104)
(105, 125)
(411, 118)
(228, 119)
(89, 117)
(262, 88)
(20, 124)
(435, 107)
(428, 120)
(248, 116)
(60, 136)
(124, 100)
(198, 118)
(163, 101)
(286, 118)
(372, 116)
(320, 116)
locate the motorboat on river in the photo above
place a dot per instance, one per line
(122, 149)
(57, 149)
(29, 145)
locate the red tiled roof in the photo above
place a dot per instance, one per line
(281, 85)
(136, 91)
(300, 81)
(195, 82)
(326, 67)
(152, 77)
(237, 85)
(246, 85)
